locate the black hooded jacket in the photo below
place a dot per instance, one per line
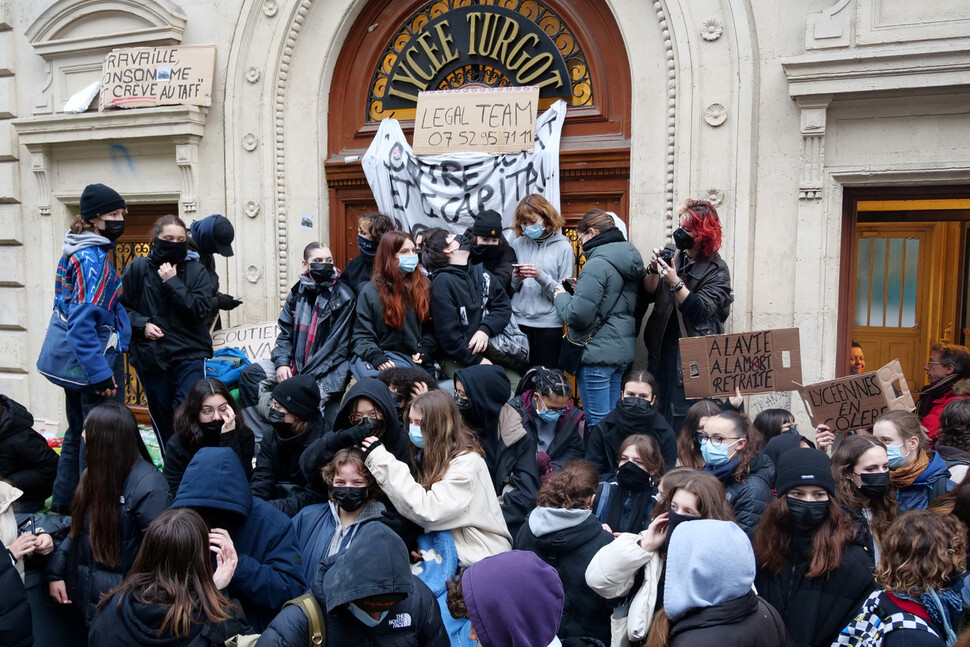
(510, 452)
(568, 442)
(747, 620)
(278, 477)
(457, 312)
(26, 460)
(497, 259)
(604, 439)
(376, 563)
(15, 620)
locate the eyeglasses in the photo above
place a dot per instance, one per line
(932, 362)
(357, 418)
(715, 440)
(209, 411)
(548, 408)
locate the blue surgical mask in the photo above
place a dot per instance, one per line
(365, 617)
(534, 231)
(414, 433)
(716, 455)
(407, 263)
(896, 457)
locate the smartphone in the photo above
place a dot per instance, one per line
(569, 285)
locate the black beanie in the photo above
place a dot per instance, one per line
(488, 224)
(804, 466)
(299, 395)
(98, 199)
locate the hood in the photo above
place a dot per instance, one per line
(15, 417)
(376, 563)
(204, 234)
(933, 470)
(488, 389)
(562, 531)
(623, 256)
(8, 494)
(514, 599)
(143, 621)
(215, 479)
(74, 243)
(377, 392)
(696, 578)
(962, 387)
(726, 613)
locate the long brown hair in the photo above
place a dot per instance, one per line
(712, 500)
(687, 452)
(772, 539)
(571, 488)
(112, 448)
(399, 291)
(173, 569)
(743, 429)
(186, 420)
(648, 450)
(884, 509)
(445, 436)
(921, 551)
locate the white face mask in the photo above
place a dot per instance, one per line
(365, 617)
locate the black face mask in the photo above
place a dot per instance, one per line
(321, 272)
(113, 229)
(875, 485)
(166, 251)
(808, 514)
(398, 399)
(674, 519)
(632, 477)
(462, 403)
(635, 406)
(350, 499)
(211, 428)
(683, 240)
(486, 252)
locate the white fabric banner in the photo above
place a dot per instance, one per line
(448, 190)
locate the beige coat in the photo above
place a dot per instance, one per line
(463, 502)
(8, 519)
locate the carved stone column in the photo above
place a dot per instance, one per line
(187, 159)
(813, 113)
(40, 164)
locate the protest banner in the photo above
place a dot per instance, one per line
(256, 340)
(716, 366)
(476, 120)
(448, 190)
(141, 77)
(855, 401)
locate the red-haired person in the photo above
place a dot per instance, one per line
(393, 326)
(692, 296)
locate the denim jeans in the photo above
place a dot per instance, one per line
(166, 390)
(599, 390)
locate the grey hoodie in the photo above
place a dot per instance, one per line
(73, 243)
(532, 298)
(544, 521)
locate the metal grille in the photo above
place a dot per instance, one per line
(122, 255)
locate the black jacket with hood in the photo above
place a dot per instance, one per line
(26, 460)
(747, 620)
(269, 571)
(510, 452)
(497, 259)
(457, 312)
(603, 440)
(15, 619)
(277, 477)
(375, 564)
(568, 442)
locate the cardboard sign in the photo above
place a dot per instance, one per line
(855, 401)
(755, 362)
(141, 77)
(256, 340)
(476, 120)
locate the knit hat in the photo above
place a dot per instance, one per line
(488, 224)
(804, 466)
(98, 199)
(299, 395)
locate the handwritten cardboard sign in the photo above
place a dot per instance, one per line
(855, 401)
(141, 77)
(256, 340)
(476, 120)
(755, 362)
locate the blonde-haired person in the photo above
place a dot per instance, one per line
(451, 488)
(545, 258)
(918, 473)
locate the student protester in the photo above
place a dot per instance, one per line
(918, 473)
(543, 400)
(26, 460)
(809, 567)
(775, 422)
(510, 453)
(565, 534)
(710, 601)
(600, 311)
(625, 502)
(268, 572)
(171, 596)
(857, 360)
(863, 488)
(490, 248)
(688, 446)
(691, 296)
(513, 600)
(953, 441)
(87, 295)
(297, 423)
(207, 237)
(16, 625)
(119, 495)
(451, 488)
(405, 383)
(208, 417)
(393, 325)
(636, 412)
(545, 258)
(315, 330)
(370, 228)
(168, 299)
(729, 445)
(948, 374)
(325, 529)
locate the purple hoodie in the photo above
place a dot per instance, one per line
(514, 599)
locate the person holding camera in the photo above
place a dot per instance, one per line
(690, 287)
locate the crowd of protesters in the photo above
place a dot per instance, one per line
(393, 475)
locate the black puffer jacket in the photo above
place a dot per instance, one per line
(26, 460)
(567, 540)
(178, 456)
(144, 496)
(748, 499)
(568, 442)
(126, 622)
(604, 439)
(278, 478)
(372, 336)
(16, 629)
(457, 312)
(748, 621)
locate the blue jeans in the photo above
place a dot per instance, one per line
(599, 390)
(165, 392)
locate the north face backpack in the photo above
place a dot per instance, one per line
(869, 627)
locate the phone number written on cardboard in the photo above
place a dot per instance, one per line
(484, 138)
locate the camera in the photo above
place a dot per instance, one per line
(667, 255)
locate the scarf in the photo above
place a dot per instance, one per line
(609, 236)
(628, 510)
(311, 304)
(903, 477)
(926, 397)
(940, 605)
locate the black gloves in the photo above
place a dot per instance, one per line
(227, 302)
